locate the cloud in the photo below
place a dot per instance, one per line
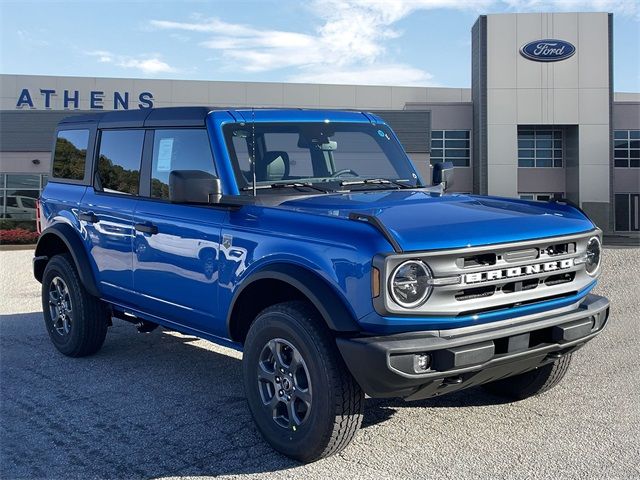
(148, 64)
(349, 44)
(26, 38)
(377, 74)
(630, 8)
(346, 48)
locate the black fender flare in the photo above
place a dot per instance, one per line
(332, 308)
(71, 239)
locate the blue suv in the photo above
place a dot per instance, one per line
(308, 240)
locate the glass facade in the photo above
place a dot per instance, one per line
(627, 208)
(626, 148)
(540, 197)
(451, 146)
(540, 147)
(18, 194)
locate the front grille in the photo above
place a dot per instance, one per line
(560, 278)
(500, 276)
(520, 286)
(472, 293)
(531, 301)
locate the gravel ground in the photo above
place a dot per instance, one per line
(168, 405)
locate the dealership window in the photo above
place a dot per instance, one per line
(119, 161)
(451, 146)
(627, 207)
(626, 148)
(540, 197)
(539, 147)
(183, 149)
(18, 195)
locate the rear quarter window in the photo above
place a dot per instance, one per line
(70, 156)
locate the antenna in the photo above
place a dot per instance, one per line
(253, 149)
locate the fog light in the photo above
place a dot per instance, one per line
(421, 362)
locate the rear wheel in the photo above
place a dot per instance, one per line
(303, 399)
(528, 384)
(76, 321)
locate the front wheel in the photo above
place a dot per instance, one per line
(534, 382)
(303, 399)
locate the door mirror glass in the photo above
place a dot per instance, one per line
(194, 186)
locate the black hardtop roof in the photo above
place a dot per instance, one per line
(148, 117)
(161, 117)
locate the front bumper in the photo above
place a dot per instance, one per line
(464, 357)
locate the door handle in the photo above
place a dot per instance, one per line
(149, 228)
(88, 217)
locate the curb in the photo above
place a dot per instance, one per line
(10, 248)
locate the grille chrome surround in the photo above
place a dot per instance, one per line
(494, 291)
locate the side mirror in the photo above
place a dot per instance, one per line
(194, 186)
(443, 174)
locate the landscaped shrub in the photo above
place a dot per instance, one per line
(10, 224)
(18, 236)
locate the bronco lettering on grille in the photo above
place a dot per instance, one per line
(512, 272)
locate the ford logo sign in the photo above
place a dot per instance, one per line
(547, 50)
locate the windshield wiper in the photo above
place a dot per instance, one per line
(297, 185)
(376, 181)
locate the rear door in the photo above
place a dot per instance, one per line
(106, 210)
(176, 247)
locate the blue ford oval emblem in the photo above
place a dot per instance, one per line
(547, 50)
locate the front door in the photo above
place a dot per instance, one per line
(176, 247)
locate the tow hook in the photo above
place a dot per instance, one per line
(452, 380)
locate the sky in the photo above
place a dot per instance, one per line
(377, 42)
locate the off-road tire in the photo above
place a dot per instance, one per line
(89, 314)
(531, 383)
(337, 400)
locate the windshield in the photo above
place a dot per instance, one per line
(328, 155)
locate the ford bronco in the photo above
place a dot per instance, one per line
(308, 240)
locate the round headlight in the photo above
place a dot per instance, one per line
(592, 262)
(409, 284)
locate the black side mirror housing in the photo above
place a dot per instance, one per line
(443, 174)
(194, 186)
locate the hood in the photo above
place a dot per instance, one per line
(422, 220)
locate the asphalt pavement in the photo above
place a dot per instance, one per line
(164, 405)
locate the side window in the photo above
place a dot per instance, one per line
(179, 149)
(70, 156)
(119, 161)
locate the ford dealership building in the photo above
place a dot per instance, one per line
(540, 118)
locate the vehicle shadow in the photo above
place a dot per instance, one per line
(380, 410)
(147, 405)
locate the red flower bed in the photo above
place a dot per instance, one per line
(18, 236)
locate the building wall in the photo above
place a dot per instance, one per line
(31, 106)
(626, 116)
(571, 92)
(166, 93)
